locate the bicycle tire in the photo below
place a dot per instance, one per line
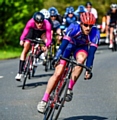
(25, 76)
(46, 65)
(48, 112)
(33, 70)
(114, 46)
(27, 70)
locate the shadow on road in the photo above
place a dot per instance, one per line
(86, 118)
(35, 84)
(42, 75)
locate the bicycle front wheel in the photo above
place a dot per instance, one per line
(27, 70)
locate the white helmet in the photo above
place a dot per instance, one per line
(45, 13)
(113, 6)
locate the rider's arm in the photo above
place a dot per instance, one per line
(66, 39)
(29, 24)
(94, 38)
(108, 17)
(48, 33)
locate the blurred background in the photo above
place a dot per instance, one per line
(14, 14)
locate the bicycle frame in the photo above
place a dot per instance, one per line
(28, 67)
(58, 95)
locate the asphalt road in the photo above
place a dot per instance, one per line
(94, 99)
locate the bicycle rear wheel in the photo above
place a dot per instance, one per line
(114, 46)
(47, 63)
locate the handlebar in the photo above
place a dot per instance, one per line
(37, 40)
(75, 63)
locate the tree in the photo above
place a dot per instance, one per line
(14, 17)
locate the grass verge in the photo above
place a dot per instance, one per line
(10, 53)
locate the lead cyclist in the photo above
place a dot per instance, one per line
(82, 40)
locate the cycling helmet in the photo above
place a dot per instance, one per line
(81, 9)
(88, 4)
(70, 10)
(87, 18)
(38, 17)
(113, 6)
(46, 13)
(53, 11)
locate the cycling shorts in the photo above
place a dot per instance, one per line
(71, 48)
(32, 34)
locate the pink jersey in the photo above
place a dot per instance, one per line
(31, 24)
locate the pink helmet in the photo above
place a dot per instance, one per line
(87, 18)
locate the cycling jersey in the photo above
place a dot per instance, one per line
(75, 41)
(94, 11)
(32, 29)
(70, 20)
(113, 16)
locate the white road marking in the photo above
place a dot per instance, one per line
(1, 76)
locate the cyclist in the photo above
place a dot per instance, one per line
(46, 13)
(36, 27)
(91, 9)
(82, 40)
(110, 23)
(69, 17)
(79, 10)
(56, 22)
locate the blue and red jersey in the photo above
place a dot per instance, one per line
(76, 41)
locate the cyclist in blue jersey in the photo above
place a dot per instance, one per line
(81, 40)
(69, 16)
(80, 10)
(56, 22)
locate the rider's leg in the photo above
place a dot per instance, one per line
(22, 60)
(41, 107)
(76, 72)
(23, 55)
(53, 80)
(107, 34)
(111, 37)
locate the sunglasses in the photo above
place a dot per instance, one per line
(39, 22)
(86, 25)
(53, 16)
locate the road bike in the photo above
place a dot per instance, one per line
(49, 58)
(57, 98)
(29, 68)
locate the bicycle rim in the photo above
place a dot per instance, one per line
(25, 77)
(48, 113)
(26, 73)
(33, 71)
(46, 65)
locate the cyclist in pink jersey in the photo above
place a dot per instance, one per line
(36, 27)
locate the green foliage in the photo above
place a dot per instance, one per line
(15, 14)
(102, 6)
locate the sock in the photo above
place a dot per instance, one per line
(111, 41)
(45, 97)
(21, 65)
(71, 84)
